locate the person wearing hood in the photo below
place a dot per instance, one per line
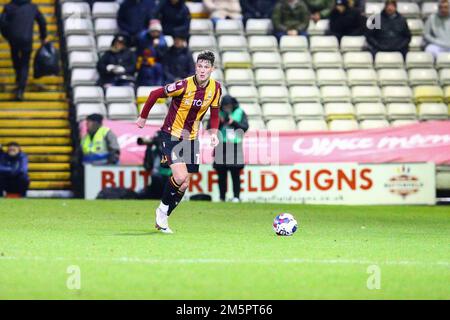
(17, 23)
(133, 17)
(290, 17)
(393, 33)
(174, 16)
(150, 50)
(437, 30)
(178, 62)
(117, 65)
(229, 154)
(346, 20)
(319, 9)
(13, 170)
(257, 9)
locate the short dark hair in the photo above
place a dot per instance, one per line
(207, 55)
(13, 144)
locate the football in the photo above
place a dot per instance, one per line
(285, 224)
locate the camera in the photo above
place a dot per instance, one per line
(145, 141)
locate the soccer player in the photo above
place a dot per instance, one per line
(191, 99)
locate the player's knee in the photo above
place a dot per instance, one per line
(180, 178)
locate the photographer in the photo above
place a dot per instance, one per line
(13, 170)
(229, 155)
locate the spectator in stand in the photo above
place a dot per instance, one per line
(174, 16)
(393, 34)
(319, 9)
(437, 30)
(257, 9)
(151, 48)
(133, 17)
(346, 21)
(290, 17)
(117, 65)
(16, 24)
(223, 9)
(359, 5)
(178, 62)
(13, 170)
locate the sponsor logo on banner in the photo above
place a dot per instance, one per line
(404, 184)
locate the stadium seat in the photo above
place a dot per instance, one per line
(104, 42)
(323, 43)
(84, 77)
(373, 124)
(428, 94)
(269, 77)
(293, 43)
(217, 74)
(447, 94)
(231, 59)
(88, 94)
(105, 9)
(85, 109)
(300, 77)
(252, 110)
(154, 122)
(403, 122)
(273, 94)
(331, 77)
(308, 111)
(80, 43)
(401, 111)
(388, 60)
(143, 92)
(311, 125)
(276, 111)
(392, 77)
(122, 111)
(444, 77)
(75, 10)
(408, 9)
(256, 124)
(287, 124)
(373, 8)
(428, 8)
(343, 125)
(78, 26)
(201, 27)
(443, 60)
(419, 60)
(197, 10)
(327, 60)
(119, 94)
(366, 94)
(423, 77)
(339, 110)
(416, 43)
(433, 111)
(262, 43)
(370, 110)
(352, 43)
(393, 94)
(266, 60)
(258, 27)
(236, 76)
(415, 26)
(362, 77)
(247, 94)
(229, 26)
(318, 28)
(82, 59)
(304, 94)
(202, 42)
(358, 60)
(297, 60)
(232, 43)
(169, 41)
(106, 26)
(335, 94)
(158, 111)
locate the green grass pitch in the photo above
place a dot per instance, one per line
(221, 251)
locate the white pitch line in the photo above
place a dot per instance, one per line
(231, 261)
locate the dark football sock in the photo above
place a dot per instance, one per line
(170, 192)
(176, 201)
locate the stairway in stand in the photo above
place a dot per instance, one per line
(40, 123)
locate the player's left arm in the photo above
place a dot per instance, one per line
(214, 118)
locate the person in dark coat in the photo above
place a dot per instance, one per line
(229, 154)
(174, 16)
(18, 18)
(346, 21)
(14, 170)
(117, 65)
(178, 62)
(257, 9)
(133, 17)
(392, 34)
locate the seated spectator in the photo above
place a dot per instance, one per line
(133, 17)
(14, 170)
(178, 62)
(117, 65)
(151, 48)
(99, 145)
(223, 9)
(437, 30)
(174, 16)
(346, 21)
(359, 5)
(290, 17)
(319, 9)
(257, 9)
(393, 34)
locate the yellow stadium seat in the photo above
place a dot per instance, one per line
(35, 132)
(28, 105)
(8, 123)
(33, 114)
(36, 96)
(35, 141)
(49, 185)
(447, 94)
(428, 94)
(47, 149)
(49, 158)
(49, 166)
(51, 176)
